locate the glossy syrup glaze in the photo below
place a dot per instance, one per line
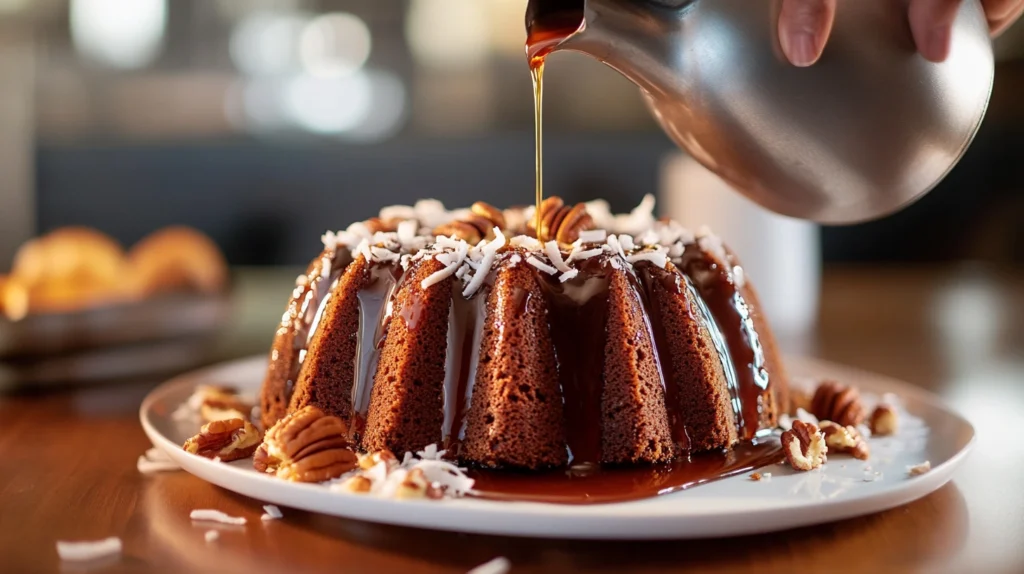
(595, 484)
(375, 313)
(577, 314)
(732, 314)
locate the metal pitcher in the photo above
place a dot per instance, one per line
(864, 132)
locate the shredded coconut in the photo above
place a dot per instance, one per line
(440, 275)
(271, 512)
(481, 275)
(541, 265)
(90, 550)
(385, 479)
(156, 460)
(738, 277)
(397, 212)
(587, 254)
(593, 236)
(712, 245)
(555, 255)
(216, 516)
(499, 565)
(658, 257)
(570, 274)
(526, 242)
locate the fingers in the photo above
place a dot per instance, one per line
(1001, 13)
(931, 22)
(804, 26)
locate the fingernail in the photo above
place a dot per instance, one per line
(937, 44)
(800, 49)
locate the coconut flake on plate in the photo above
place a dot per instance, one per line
(208, 515)
(88, 550)
(271, 512)
(499, 565)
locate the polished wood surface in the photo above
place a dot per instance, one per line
(67, 463)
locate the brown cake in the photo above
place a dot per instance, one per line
(623, 340)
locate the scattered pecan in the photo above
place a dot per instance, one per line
(376, 224)
(221, 403)
(919, 469)
(478, 224)
(804, 446)
(306, 446)
(561, 222)
(358, 484)
(838, 403)
(416, 485)
(884, 420)
(368, 461)
(845, 440)
(799, 399)
(494, 216)
(230, 439)
(756, 477)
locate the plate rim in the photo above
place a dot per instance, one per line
(569, 521)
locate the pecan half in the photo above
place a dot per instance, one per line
(844, 440)
(230, 439)
(376, 224)
(306, 446)
(804, 446)
(561, 222)
(221, 403)
(884, 420)
(838, 403)
(478, 224)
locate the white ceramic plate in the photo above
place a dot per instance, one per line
(843, 488)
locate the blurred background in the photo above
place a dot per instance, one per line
(263, 123)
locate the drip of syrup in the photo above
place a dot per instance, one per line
(537, 71)
(543, 37)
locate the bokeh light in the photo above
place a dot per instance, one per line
(448, 34)
(336, 44)
(119, 34)
(266, 43)
(329, 105)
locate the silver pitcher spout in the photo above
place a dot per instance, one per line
(864, 132)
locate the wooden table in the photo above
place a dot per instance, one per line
(67, 463)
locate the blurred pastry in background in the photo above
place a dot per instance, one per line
(176, 259)
(75, 268)
(68, 269)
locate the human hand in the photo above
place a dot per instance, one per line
(804, 25)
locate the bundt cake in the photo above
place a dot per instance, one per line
(621, 340)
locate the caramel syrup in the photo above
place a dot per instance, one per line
(543, 37)
(591, 483)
